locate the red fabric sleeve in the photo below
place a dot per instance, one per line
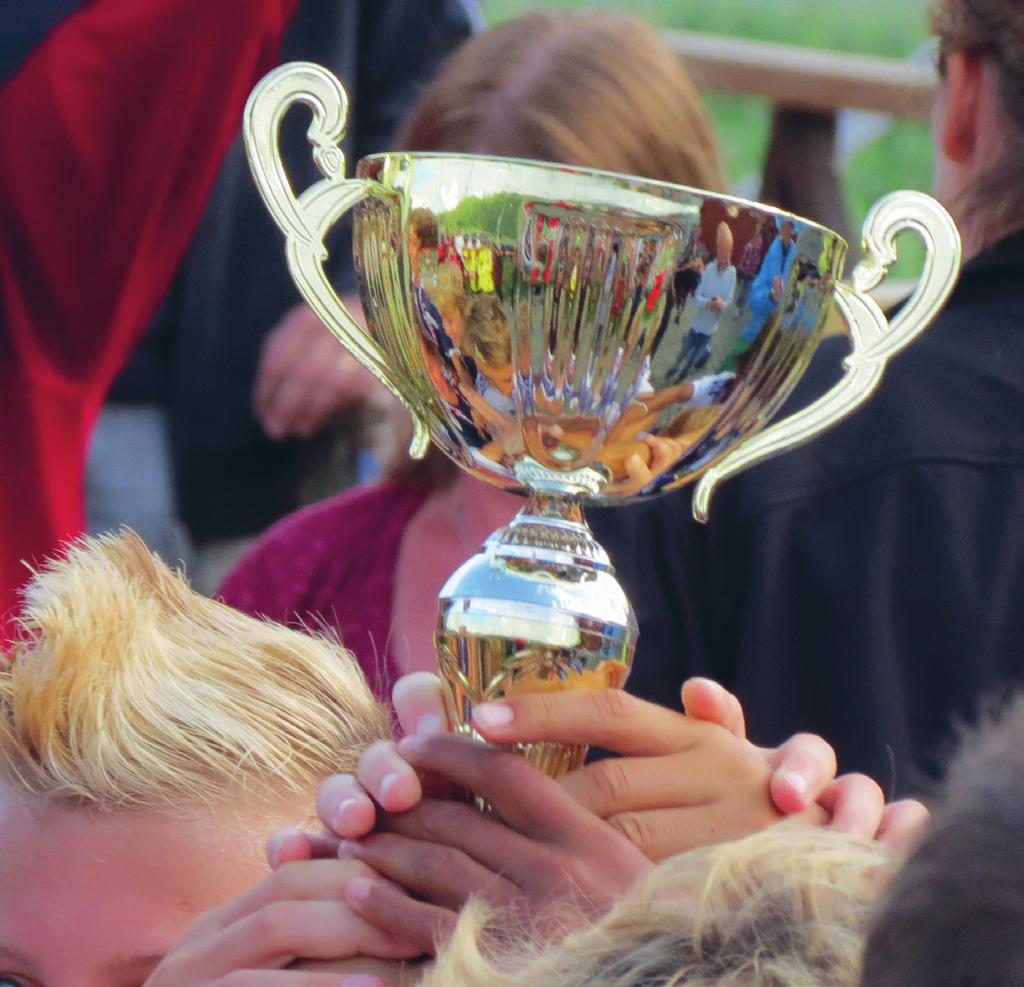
(113, 131)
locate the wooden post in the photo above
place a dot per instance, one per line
(800, 169)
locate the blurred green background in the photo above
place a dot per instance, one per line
(900, 158)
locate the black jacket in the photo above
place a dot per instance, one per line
(200, 357)
(870, 586)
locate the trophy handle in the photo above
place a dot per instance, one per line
(306, 219)
(874, 338)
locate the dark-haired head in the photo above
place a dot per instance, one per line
(954, 915)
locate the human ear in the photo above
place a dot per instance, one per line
(958, 125)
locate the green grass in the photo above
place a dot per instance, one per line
(893, 28)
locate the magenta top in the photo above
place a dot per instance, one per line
(333, 565)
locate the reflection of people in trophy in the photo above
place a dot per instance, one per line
(488, 388)
(751, 259)
(374, 559)
(688, 274)
(487, 339)
(714, 294)
(767, 288)
(636, 458)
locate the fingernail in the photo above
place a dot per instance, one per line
(411, 746)
(796, 781)
(430, 725)
(274, 848)
(359, 890)
(348, 849)
(388, 782)
(493, 716)
(342, 810)
(360, 980)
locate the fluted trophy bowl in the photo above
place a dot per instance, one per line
(579, 337)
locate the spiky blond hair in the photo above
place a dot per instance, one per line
(127, 689)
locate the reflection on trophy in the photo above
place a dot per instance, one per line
(579, 337)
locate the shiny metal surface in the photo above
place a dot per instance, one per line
(582, 335)
(538, 610)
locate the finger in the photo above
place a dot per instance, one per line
(528, 801)
(296, 978)
(805, 766)
(319, 406)
(663, 833)
(903, 824)
(285, 931)
(665, 453)
(638, 472)
(521, 860)
(608, 718)
(442, 875)
(419, 701)
(281, 348)
(387, 776)
(705, 699)
(633, 784)
(284, 406)
(304, 880)
(856, 804)
(288, 846)
(424, 926)
(344, 807)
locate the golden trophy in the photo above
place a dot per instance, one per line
(524, 315)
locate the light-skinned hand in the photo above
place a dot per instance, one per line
(297, 912)
(306, 377)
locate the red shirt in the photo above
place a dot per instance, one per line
(333, 566)
(113, 131)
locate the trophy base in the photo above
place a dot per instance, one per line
(537, 610)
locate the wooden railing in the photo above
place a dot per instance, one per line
(806, 79)
(808, 88)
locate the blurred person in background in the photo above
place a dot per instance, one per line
(116, 115)
(222, 421)
(867, 586)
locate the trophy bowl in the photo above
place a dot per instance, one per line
(579, 337)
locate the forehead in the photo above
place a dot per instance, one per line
(83, 889)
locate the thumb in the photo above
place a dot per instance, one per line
(419, 701)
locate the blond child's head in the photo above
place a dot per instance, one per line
(150, 740)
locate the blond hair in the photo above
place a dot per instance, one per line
(784, 908)
(590, 88)
(127, 689)
(487, 332)
(448, 291)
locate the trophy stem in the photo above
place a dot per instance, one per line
(538, 609)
